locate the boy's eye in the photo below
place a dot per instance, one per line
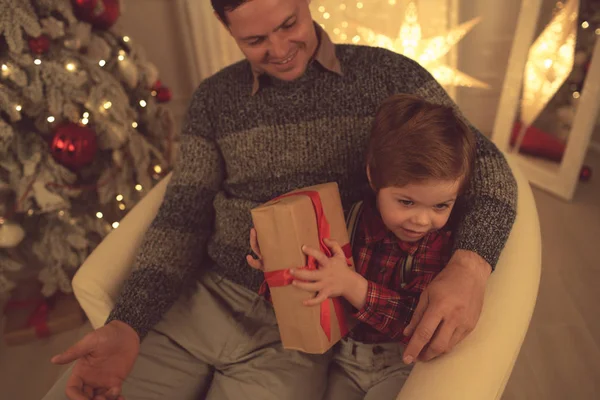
(406, 202)
(441, 206)
(290, 25)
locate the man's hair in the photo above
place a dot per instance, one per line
(222, 6)
(413, 141)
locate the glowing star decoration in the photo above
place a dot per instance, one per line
(549, 63)
(429, 53)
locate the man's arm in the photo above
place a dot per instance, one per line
(175, 243)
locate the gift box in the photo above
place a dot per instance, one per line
(283, 225)
(29, 316)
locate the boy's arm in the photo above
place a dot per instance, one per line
(174, 245)
(384, 309)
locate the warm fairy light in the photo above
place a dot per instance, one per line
(138, 187)
(107, 105)
(51, 119)
(102, 63)
(576, 95)
(121, 57)
(122, 206)
(585, 24)
(99, 215)
(143, 103)
(37, 61)
(86, 114)
(134, 124)
(4, 67)
(71, 67)
(126, 39)
(115, 225)
(356, 39)
(326, 15)
(157, 169)
(359, 5)
(119, 197)
(85, 121)
(321, 9)
(18, 107)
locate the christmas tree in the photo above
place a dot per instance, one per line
(82, 137)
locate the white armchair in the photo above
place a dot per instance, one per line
(477, 369)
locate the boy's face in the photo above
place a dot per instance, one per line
(413, 210)
(276, 36)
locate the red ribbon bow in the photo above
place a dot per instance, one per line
(284, 278)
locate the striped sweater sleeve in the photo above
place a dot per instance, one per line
(175, 243)
(490, 204)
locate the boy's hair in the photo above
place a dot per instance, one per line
(221, 6)
(413, 141)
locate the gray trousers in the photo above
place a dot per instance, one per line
(366, 371)
(223, 344)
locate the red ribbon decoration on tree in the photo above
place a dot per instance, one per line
(38, 318)
(284, 278)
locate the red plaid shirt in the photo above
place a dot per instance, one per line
(394, 283)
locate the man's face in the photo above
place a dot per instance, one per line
(412, 211)
(276, 36)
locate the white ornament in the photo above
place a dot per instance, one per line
(11, 234)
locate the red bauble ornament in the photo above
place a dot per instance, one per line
(157, 85)
(74, 146)
(102, 14)
(585, 174)
(39, 45)
(163, 94)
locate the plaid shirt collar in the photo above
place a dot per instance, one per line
(325, 56)
(376, 231)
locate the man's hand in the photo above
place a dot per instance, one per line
(333, 278)
(103, 358)
(449, 308)
(255, 263)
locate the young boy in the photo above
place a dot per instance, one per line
(419, 161)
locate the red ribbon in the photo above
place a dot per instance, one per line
(284, 278)
(38, 318)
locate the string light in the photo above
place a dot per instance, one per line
(119, 197)
(107, 105)
(321, 9)
(134, 124)
(37, 61)
(121, 58)
(597, 31)
(121, 55)
(102, 63)
(99, 215)
(5, 70)
(126, 39)
(71, 67)
(576, 95)
(326, 15)
(143, 103)
(138, 187)
(115, 225)
(61, 213)
(29, 212)
(359, 5)
(157, 169)
(85, 121)
(154, 93)
(355, 39)
(585, 24)
(51, 119)
(18, 107)
(4, 67)
(122, 206)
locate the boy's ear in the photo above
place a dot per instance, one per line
(369, 178)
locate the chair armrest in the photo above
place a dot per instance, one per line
(98, 281)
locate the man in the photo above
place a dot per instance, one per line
(295, 113)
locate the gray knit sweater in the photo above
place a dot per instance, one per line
(239, 150)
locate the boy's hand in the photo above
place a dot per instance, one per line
(333, 278)
(254, 263)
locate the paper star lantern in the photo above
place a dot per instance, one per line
(429, 53)
(549, 63)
